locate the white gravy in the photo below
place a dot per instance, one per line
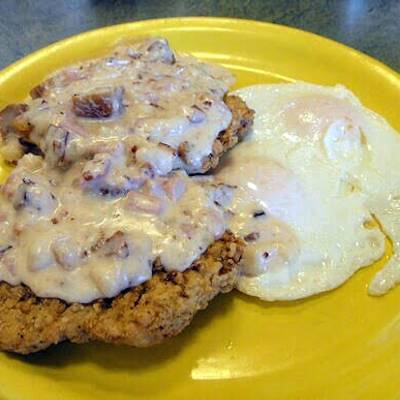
(92, 216)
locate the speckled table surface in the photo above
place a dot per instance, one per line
(372, 26)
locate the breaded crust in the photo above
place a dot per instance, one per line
(141, 317)
(242, 121)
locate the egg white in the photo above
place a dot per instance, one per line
(322, 167)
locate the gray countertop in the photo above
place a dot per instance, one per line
(372, 26)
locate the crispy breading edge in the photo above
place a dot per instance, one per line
(142, 316)
(242, 121)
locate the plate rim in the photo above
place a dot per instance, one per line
(376, 64)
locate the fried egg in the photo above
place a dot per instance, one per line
(311, 180)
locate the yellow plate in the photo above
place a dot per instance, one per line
(340, 345)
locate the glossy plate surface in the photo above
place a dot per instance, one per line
(340, 345)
